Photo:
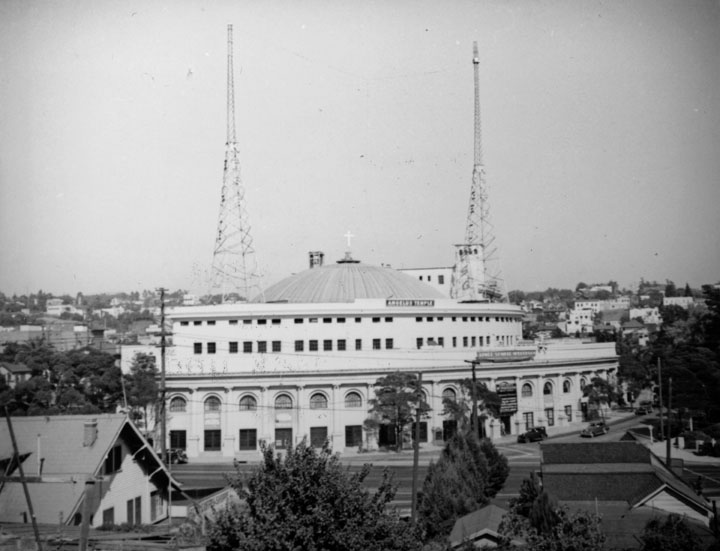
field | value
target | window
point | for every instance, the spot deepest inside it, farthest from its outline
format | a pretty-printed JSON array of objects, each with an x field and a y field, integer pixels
[
  {"x": 388, "y": 344},
  {"x": 327, "y": 320},
  {"x": 247, "y": 347},
  {"x": 318, "y": 436},
  {"x": 419, "y": 342},
  {"x": 178, "y": 439},
  {"x": 113, "y": 461},
  {"x": 262, "y": 347},
  {"x": 353, "y": 435},
  {"x": 197, "y": 322},
  {"x": 247, "y": 403},
  {"x": 233, "y": 322},
  {"x": 472, "y": 341},
  {"x": 340, "y": 320},
  {"x": 233, "y": 347},
  {"x": 212, "y": 404},
  {"x": 526, "y": 390},
  {"x": 454, "y": 341},
  {"x": 283, "y": 438},
  {"x": 464, "y": 318},
  {"x": 313, "y": 320},
  {"x": 299, "y": 346},
  {"x": 528, "y": 420},
  {"x": 423, "y": 431},
  {"x": 211, "y": 348},
  {"x": 276, "y": 346},
  {"x": 262, "y": 322},
  {"x": 276, "y": 321},
  {"x": 582, "y": 383},
  {"x": 183, "y": 323},
  {"x": 210, "y": 322},
  {"x": 298, "y": 320},
  {"x": 429, "y": 318},
  {"x": 197, "y": 347},
  {"x": 376, "y": 344},
  {"x": 441, "y": 280},
  {"x": 441, "y": 341},
  {"x": 313, "y": 346},
  {"x": 465, "y": 342},
  {"x": 248, "y": 439},
  {"x": 341, "y": 344},
  {"x": 358, "y": 320},
  {"x": 283, "y": 402},
  {"x": 358, "y": 344},
  {"x": 568, "y": 413},
  {"x": 418, "y": 319},
  {"x": 134, "y": 511},
  {"x": 550, "y": 415},
  {"x": 429, "y": 278},
  {"x": 449, "y": 394},
  {"x": 376, "y": 320},
  {"x": 388, "y": 319},
  {"x": 353, "y": 400},
  {"x": 327, "y": 344},
  {"x": 318, "y": 401},
  {"x": 247, "y": 322},
  {"x": 548, "y": 389},
  {"x": 178, "y": 405},
  {"x": 109, "y": 516},
  {"x": 212, "y": 440}
]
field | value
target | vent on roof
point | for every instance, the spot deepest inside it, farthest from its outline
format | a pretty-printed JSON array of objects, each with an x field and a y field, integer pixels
[
  {"x": 316, "y": 258},
  {"x": 90, "y": 433}
]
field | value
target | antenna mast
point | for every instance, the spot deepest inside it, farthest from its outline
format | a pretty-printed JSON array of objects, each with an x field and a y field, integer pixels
[
  {"x": 233, "y": 274},
  {"x": 473, "y": 276}
]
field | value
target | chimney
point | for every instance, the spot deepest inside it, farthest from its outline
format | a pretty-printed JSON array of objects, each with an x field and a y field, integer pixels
[
  {"x": 316, "y": 258},
  {"x": 90, "y": 433}
]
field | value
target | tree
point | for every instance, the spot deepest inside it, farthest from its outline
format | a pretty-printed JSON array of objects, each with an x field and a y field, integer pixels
[
  {"x": 600, "y": 392},
  {"x": 459, "y": 409},
  {"x": 396, "y": 402},
  {"x": 670, "y": 289},
  {"x": 308, "y": 501},
  {"x": 455, "y": 485},
  {"x": 672, "y": 534},
  {"x": 141, "y": 385}
]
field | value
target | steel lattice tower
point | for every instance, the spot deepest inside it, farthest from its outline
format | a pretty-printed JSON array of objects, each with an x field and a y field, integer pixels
[
  {"x": 476, "y": 276},
  {"x": 234, "y": 269}
]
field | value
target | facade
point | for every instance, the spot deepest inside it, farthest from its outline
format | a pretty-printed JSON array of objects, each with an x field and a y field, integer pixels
[
  {"x": 302, "y": 362},
  {"x": 439, "y": 278},
  {"x": 13, "y": 373},
  {"x": 648, "y": 315},
  {"x": 618, "y": 303},
  {"x": 683, "y": 302},
  {"x": 580, "y": 321},
  {"x": 69, "y": 458}
]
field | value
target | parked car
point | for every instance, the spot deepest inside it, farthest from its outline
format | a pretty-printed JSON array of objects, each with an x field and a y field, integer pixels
[
  {"x": 177, "y": 455},
  {"x": 532, "y": 435},
  {"x": 642, "y": 410},
  {"x": 594, "y": 429}
]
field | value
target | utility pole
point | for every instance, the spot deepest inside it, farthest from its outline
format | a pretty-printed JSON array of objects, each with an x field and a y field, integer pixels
[
  {"x": 474, "y": 418},
  {"x": 22, "y": 479},
  {"x": 660, "y": 399},
  {"x": 163, "y": 420},
  {"x": 416, "y": 447},
  {"x": 668, "y": 440}
]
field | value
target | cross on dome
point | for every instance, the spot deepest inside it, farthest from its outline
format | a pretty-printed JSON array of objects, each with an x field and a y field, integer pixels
[{"x": 348, "y": 236}]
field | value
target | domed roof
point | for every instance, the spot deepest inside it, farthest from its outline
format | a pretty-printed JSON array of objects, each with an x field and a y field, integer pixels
[{"x": 345, "y": 282}]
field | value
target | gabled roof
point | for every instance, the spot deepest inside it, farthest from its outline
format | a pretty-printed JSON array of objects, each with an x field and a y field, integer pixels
[
  {"x": 594, "y": 452},
  {"x": 478, "y": 524},
  {"x": 15, "y": 368}
]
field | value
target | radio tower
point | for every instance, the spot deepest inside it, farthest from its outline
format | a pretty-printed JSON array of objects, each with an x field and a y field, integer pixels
[
  {"x": 233, "y": 274},
  {"x": 475, "y": 274}
]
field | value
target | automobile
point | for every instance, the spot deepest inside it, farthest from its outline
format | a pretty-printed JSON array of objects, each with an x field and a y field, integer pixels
[
  {"x": 642, "y": 410},
  {"x": 177, "y": 455},
  {"x": 595, "y": 429},
  {"x": 532, "y": 435}
]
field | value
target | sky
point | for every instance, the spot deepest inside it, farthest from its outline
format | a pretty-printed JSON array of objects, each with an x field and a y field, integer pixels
[{"x": 600, "y": 133}]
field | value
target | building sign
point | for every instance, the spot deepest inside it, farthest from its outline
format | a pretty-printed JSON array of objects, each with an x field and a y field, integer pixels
[
  {"x": 509, "y": 355},
  {"x": 508, "y": 397},
  {"x": 409, "y": 302}
]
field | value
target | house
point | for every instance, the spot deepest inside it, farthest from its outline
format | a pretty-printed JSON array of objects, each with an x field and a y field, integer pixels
[
  {"x": 13, "y": 373},
  {"x": 682, "y": 302},
  {"x": 622, "y": 481},
  {"x": 82, "y": 464},
  {"x": 480, "y": 528}
]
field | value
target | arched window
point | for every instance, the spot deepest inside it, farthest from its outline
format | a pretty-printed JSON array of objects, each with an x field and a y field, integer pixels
[
  {"x": 318, "y": 401},
  {"x": 178, "y": 405},
  {"x": 212, "y": 404},
  {"x": 566, "y": 386},
  {"x": 449, "y": 394},
  {"x": 353, "y": 400},
  {"x": 527, "y": 390},
  {"x": 283, "y": 402},
  {"x": 548, "y": 389},
  {"x": 582, "y": 383},
  {"x": 248, "y": 403}
]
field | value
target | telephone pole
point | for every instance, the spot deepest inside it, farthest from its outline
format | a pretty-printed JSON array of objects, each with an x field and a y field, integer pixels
[
  {"x": 416, "y": 448},
  {"x": 163, "y": 416}
]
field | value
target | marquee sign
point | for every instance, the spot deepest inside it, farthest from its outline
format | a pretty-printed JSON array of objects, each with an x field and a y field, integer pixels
[
  {"x": 509, "y": 355},
  {"x": 409, "y": 302},
  {"x": 508, "y": 397}
]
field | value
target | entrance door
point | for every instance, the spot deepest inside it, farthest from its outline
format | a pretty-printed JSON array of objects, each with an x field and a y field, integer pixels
[
  {"x": 449, "y": 429},
  {"x": 283, "y": 438},
  {"x": 387, "y": 436}
]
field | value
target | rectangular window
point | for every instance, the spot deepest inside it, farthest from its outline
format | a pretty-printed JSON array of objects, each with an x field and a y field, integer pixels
[
  {"x": 184, "y": 323},
  {"x": 473, "y": 341},
  {"x": 528, "y": 420},
  {"x": 419, "y": 342},
  {"x": 341, "y": 344},
  {"x": 248, "y": 439},
  {"x": 247, "y": 347},
  {"x": 568, "y": 413},
  {"x": 441, "y": 280},
  {"x": 358, "y": 320},
  {"x": 113, "y": 461},
  {"x": 465, "y": 342},
  {"x": 283, "y": 438},
  {"x": 441, "y": 341},
  {"x": 233, "y": 322},
  {"x": 211, "y": 348},
  {"x": 247, "y": 322},
  {"x": 109, "y": 516},
  {"x": 550, "y": 415},
  {"x": 134, "y": 511},
  {"x": 454, "y": 341},
  {"x": 197, "y": 347},
  {"x": 388, "y": 319},
  {"x": 358, "y": 344},
  {"x": 262, "y": 322},
  {"x": 340, "y": 320},
  {"x": 318, "y": 436},
  {"x": 388, "y": 344},
  {"x": 429, "y": 318},
  {"x": 156, "y": 506},
  {"x": 376, "y": 344},
  {"x": 262, "y": 347},
  {"x": 210, "y": 322},
  {"x": 429, "y": 278},
  {"x": 298, "y": 320},
  {"x": 327, "y": 344},
  {"x": 212, "y": 440},
  {"x": 197, "y": 322},
  {"x": 233, "y": 347},
  {"x": 276, "y": 321},
  {"x": 313, "y": 346},
  {"x": 313, "y": 320},
  {"x": 423, "y": 431},
  {"x": 353, "y": 436},
  {"x": 299, "y": 346},
  {"x": 472, "y": 318},
  {"x": 418, "y": 319},
  {"x": 276, "y": 346},
  {"x": 376, "y": 320},
  {"x": 327, "y": 320},
  {"x": 178, "y": 439}
]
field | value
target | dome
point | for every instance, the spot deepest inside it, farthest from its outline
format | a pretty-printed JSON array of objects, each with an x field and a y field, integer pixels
[{"x": 345, "y": 282}]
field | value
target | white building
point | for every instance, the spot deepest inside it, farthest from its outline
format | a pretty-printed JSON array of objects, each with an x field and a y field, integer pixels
[
  {"x": 648, "y": 315},
  {"x": 619, "y": 303},
  {"x": 580, "y": 321},
  {"x": 683, "y": 302},
  {"x": 303, "y": 362}
]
